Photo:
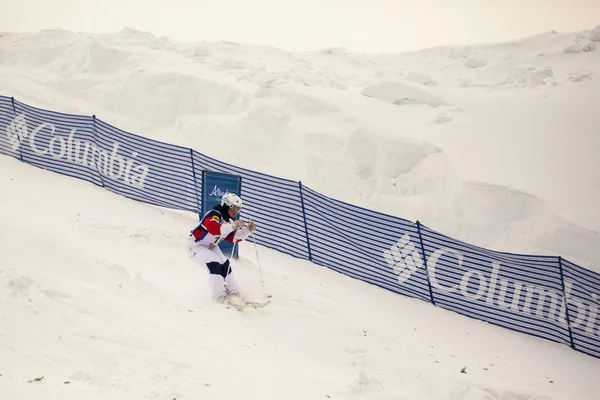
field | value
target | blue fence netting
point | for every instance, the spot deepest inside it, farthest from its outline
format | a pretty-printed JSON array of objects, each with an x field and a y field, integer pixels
[
  {"x": 146, "y": 170},
  {"x": 10, "y": 126},
  {"x": 353, "y": 240},
  {"x": 514, "y": 291},
  {"x": 58, "y": 142},
  {"x": 582, "y": 291},
  {"x": 544, "y": 296}
]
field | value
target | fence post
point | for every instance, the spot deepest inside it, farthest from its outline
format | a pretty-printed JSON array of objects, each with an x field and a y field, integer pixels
[
  {"x": 12, "y": 100},
  {"x": 566, "y": 303},
  {"x": 425, "y": 262},
  {"x": 305, "y": 224},
  {"x": 94, "y": 133},
  {"x": 195, "y": 182}
]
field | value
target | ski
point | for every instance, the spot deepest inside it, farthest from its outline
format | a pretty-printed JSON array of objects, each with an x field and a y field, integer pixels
[
  {"x": 256, "y": 304},
  {"x": 245, "y": 304}
]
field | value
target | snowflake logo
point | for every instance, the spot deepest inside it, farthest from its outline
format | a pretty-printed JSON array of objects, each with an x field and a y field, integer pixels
[
  {"x": 404, "y": 258},
  {"x": 17, "y": 131}
]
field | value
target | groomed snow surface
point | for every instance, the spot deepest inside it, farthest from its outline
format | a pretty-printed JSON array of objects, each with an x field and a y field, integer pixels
[
  {"x": 491, "y": 144},
  {"x": 97, "y": 291}
]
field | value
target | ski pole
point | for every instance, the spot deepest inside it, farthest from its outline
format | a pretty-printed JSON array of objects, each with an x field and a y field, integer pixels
[
  {"x": 262, "y": 282},
  {"x": 229, "y": 266}
]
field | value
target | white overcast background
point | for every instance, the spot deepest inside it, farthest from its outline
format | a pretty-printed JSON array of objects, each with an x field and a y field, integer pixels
[{"x": 368, "y": 26}]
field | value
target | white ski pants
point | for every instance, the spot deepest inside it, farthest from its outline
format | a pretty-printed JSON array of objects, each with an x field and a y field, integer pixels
[{"x": 220, "y": 273}]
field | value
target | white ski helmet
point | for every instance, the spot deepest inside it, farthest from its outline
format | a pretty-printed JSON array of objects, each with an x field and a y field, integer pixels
[{"x": 232, "y": 201}]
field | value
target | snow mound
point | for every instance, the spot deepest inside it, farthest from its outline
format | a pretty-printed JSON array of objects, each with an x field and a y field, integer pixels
[
  {"x": 53, "y": 35},
  {"x": 584, "y": 41},
  {"x": 300, "y": 103},
  {"x": 199, "y": 51},
  {"x": 530, "y": 77},
  {"x": 468, "y": 82},
  {"x": 580, "y": 75},
  {"x": 335, "y": 51},
  {"x": 432, "y": 173},
  {"x": 580, "y": 46},
  {"x": 134, "y": 36},
  {"x": 442, "y": 119},
  {"x": 458, "y": 52},
  {"x": 595, "y": 34},
  {"x": 92, "y": 57},
  {"x": 162, "y": 97},
  {"x": 401, "y": 93},
  {"x": 476, "y": 61},
  {"x": 498, "y": 203},
  {"x": 421, "y": 77},
  {"x": 42, "y": 48}
]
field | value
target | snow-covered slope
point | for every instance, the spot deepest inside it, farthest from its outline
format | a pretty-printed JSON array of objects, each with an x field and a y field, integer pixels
[
  {"x": 492, "y": 144},
  {"x": 99, "y": 299}
]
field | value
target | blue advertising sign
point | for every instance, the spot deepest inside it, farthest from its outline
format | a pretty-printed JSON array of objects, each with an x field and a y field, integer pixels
[{"x": 214, "y": 186}]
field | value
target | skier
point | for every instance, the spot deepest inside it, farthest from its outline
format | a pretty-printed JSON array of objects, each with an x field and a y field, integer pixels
[{"x": 203, "y": 244}]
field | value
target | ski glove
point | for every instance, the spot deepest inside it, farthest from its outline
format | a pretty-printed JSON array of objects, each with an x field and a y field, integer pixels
[
  {"x": 238, "y": 224},
  {"x": 251, "y": 226}
]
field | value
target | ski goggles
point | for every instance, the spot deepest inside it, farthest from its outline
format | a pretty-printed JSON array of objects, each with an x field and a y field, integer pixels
[{"x": 236, "y": 209}]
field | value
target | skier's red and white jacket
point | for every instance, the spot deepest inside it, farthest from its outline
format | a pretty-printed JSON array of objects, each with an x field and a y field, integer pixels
[{"x": 213, "y": 229}]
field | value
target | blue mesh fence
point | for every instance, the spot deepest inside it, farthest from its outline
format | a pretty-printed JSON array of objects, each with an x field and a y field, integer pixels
[
  {"x": 57, "y": 142},
  {"x": 363, "y": 244},
  {"x": 582, "y": 291},
  {"x": 543, "y": 296},
  {"x": 9, "y": 128},
  {"x": 519, "y": 292},
  {"x": 146, "y": 170}
]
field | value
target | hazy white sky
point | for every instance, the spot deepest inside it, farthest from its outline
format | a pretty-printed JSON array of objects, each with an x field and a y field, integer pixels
[{"x": 359, "y": 25}]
